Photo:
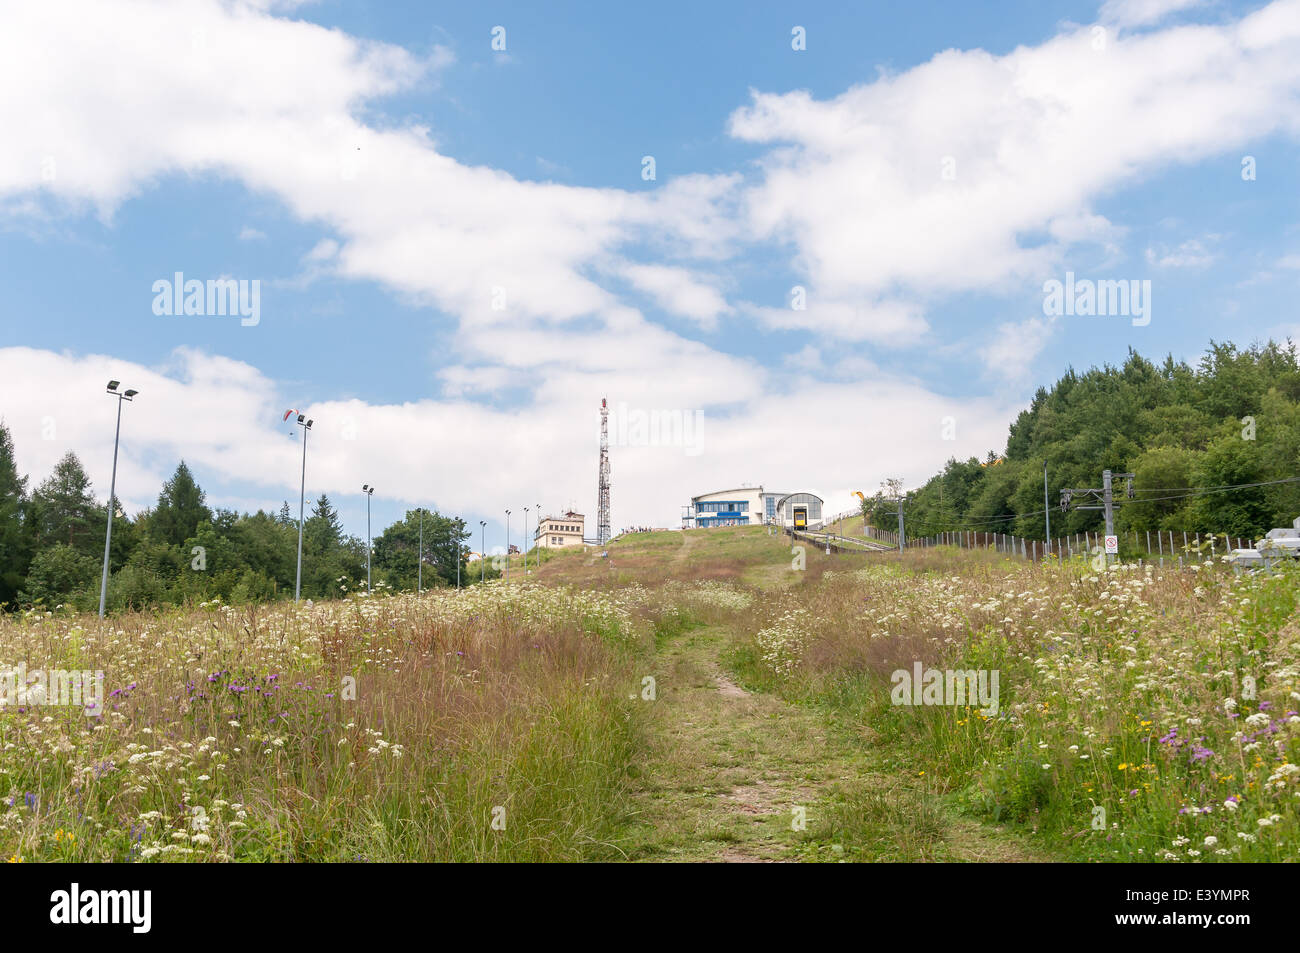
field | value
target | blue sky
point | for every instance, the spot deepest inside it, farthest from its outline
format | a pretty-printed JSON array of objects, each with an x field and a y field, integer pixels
[{"x": 383, "y": 172}]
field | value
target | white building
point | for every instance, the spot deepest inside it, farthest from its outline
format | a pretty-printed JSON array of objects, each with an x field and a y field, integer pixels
[
  {"x": 751, "y": 506},
  {"x": 556, "y": 532}
]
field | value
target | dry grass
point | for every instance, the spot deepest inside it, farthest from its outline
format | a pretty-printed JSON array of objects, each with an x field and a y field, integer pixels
[{"x": 235, "y": 734}]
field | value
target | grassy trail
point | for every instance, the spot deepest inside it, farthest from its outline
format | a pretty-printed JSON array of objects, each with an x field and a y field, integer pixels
[
  {"x": 727, "y": 768},
  {"x": 727, "y": 760}
]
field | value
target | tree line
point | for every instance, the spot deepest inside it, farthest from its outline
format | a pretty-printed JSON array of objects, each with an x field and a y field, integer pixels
[
  {"x": 1187, "y": 432},
  {"x": 181, "y": 550}
]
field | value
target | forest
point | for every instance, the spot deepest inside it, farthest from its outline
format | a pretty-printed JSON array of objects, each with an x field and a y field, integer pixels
[
  {"x": 183, "y": 551},
  {"x": 1213, "y": 448}
]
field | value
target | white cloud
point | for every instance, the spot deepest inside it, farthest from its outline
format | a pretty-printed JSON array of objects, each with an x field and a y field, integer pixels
[
  {"x": 479, "y": 450},
  {"x": 1189, "y": 254},
  {"x": 1131, "y": 13},
  {"x": 679, "y": 291},
  {"x": 1014, "y": 346},
  {"x": 854, "y": 184},
  {"x": 250, "y": 234},
  {"x": 927, "y": 182}
]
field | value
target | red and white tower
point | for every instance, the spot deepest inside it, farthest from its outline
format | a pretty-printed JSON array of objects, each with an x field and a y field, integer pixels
[{"x": 602, "y": 491}]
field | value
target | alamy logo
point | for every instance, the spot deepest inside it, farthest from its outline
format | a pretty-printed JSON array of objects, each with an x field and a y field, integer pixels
[
  {"x": 84, "y": 689},
  {"x": 1105, "y": 298},
  {"x": 945, "y": 687},
  {"x": 216, "y": 296},
  {"x": 103, "y": 906},
  {"x": 659, "y": 428}
]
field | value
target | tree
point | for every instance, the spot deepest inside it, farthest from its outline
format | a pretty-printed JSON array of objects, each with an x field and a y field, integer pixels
[
  {"x": 56, "y": 573},
  {"x": 181, "y": 509},
  {"x": 15, "y": 545},
  {"x": 323, "y": 530},
  {"x": 397, "y": 548},
  {"x": 65, "y": 509}
]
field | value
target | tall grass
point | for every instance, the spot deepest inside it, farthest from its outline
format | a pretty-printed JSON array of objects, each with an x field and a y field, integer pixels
[
  {"x": 485, "y": 724},
  {"x": 1128, "y": 728}
]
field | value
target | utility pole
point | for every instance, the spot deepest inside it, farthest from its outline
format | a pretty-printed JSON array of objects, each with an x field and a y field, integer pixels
[
  {"x": 1047, "y": 512},
  {"x": 482, "y": 556},
  {"x": 900, "y": 522},
  {"x": 1104, "y": 497},
  {"x": 1108, "y": 502},
  {"x": 419, "y": 571}
]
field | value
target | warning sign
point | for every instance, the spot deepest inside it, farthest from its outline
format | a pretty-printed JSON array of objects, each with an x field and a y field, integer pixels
[{"x": 1112, "y": 545}]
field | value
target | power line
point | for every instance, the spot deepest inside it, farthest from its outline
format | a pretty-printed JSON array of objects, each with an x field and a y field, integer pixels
[{"x": 974, "y": 525}]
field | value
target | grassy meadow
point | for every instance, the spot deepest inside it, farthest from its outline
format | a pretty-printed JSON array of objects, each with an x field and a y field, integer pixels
[{"x": 707, "y": 695}]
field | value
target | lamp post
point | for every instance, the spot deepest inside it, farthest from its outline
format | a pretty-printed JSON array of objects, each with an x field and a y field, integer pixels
[
  {"x": 482, "y": 549},
  {"x": 112, "y": 487},
  {"x": 305, "y": 424},
  {"x": 460, "y": 552},
  {"x": 538, "y": 507},
  {"x": 369, "y": 491},
  {"x": 419, "y": 562},
  {"x": 526, "y": 540},
  {"x": 507, "y": 545}
]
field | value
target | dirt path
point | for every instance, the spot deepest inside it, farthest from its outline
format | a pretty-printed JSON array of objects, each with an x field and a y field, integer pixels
[{"x": 729, "y": 772}]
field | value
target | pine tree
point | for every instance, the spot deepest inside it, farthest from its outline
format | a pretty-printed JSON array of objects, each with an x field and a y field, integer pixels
[
  {"x": 181, "y": 508},
  {"x": 65, "y": 509},
  {"x": 285, "y": 517},
  {"x": 323, "y": 529}
]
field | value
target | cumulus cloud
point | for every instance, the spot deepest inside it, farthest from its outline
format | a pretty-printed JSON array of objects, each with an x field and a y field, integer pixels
[
  {"x": 1132, "y": 13},
  {"x": 465, "y": 453},
  {"x": 1011, "y": 352},
  {"x": 972, "y": 172},
  {"x": 975, "y": 172},
  {"x": 679, "y": 291}
]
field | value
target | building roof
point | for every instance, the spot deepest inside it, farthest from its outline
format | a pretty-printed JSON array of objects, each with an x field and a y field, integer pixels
[{"x": 738, "y": 489}]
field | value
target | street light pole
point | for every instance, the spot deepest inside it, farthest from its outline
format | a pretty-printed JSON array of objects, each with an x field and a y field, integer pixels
[
  {"x": 305, "y": 424},
  {"x": 369, "y": 491},
  {"x": 482, "y": 549},
  {"x": 525, "y": 540},
  {"x": 507, "y": 545},
  {"x": 112, "y": 488},
  {"x": 460, "y": 553},
  {"x": 419, "y": 571}
]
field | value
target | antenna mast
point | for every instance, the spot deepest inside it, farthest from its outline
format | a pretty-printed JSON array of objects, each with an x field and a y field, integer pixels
[{"x": 602, "y": 492}]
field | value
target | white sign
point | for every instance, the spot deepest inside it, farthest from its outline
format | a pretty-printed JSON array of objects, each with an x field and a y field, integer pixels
[{"x": 1112, "y": 545}]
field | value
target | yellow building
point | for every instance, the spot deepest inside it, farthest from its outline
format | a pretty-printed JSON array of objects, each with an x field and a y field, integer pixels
[{"x": 555, "y": 532}]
